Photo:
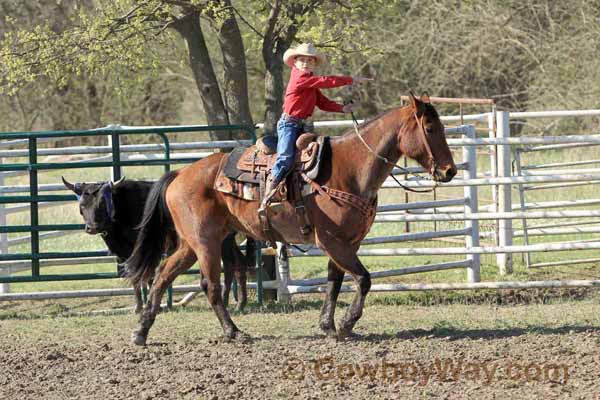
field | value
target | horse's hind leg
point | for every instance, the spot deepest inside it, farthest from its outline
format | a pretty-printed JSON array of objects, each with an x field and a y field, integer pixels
[
  {"x": 176, "y": 263},
  {"x": 335, "y": 277},
  {"x": 139, "y": 303}
]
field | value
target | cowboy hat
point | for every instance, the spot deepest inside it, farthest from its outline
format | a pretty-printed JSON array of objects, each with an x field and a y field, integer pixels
[{"x": 304, "y": 49}]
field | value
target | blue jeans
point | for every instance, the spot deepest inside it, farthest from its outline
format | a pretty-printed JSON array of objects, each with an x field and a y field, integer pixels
[{"x": 287, "y": 133}]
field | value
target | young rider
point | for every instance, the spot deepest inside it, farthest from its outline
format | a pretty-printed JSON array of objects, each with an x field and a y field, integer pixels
[{"x": 301, "y": 96}]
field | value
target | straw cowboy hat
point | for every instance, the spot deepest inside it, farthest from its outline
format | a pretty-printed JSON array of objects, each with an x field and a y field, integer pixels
[{"x": 304, "y": 49}]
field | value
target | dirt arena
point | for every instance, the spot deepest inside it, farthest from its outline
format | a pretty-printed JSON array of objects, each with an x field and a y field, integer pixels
[{"x": 452, "y": 351}]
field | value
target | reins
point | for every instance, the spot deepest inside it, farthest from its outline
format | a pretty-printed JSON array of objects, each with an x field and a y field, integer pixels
[{"x": 406, "y": 171}]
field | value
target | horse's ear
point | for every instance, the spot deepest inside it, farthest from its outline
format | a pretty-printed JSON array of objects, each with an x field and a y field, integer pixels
[
  {"x": 425, "y": 98},
  {"x": 413, "y": 100}
]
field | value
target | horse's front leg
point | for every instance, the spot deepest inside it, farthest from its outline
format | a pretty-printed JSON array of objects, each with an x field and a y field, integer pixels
[
  {"x": 354, "y": 312},
  {"x": 176, "y": 263},
  {"x": 344, "y": 256},
  {"x": 335, "y": 276}
]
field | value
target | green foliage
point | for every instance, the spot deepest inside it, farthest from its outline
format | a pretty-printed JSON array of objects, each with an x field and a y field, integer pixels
[
  {"x": 526, "y": 54},
  {"x": 87, "y": 70}
]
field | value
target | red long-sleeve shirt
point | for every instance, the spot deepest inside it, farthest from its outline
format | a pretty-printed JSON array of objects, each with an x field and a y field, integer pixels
[{"x": 303, "y": 94}]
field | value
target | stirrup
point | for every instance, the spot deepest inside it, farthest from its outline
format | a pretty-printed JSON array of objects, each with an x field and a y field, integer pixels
[
  {"x": 276, "y": 206},
  {"x": 271, "y": 205}
]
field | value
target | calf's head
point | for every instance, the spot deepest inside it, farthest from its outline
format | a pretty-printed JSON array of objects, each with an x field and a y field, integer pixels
[{"x": 96, "y": 204}]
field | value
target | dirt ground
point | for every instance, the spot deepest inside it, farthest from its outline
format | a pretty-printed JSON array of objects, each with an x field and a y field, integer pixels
[{"x": 453, "y": 351}]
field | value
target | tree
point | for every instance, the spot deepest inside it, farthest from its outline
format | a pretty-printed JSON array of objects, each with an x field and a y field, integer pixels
[
  {"x": 513, "y": 51},
  {"x": 121, "y": 40},
  {"x": 56, "y": 97}
]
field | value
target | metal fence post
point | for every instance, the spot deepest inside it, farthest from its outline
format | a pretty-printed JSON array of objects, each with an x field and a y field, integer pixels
[
  {"x": 471, "y": 206},
  {"x": 259, "y": 277},
  {"x": 283, "y": 274},
  {"x": 4, "y": 287},
  {"x": 493, "y": 166},
  {"x": 114, "y": 141},
  {"x": 34, "y": 209},
  {"x": 505, "y": 233},
  {"x": 527, "y": 255}
]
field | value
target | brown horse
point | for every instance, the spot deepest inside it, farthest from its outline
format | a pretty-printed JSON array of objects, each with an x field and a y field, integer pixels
[{"x": 341, "y": 210}]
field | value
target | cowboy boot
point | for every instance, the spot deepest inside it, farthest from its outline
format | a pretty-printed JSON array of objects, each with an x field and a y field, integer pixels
[{"x": 270, "y": 190}]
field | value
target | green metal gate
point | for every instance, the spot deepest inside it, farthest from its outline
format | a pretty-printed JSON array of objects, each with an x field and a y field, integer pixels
[{"x": 34, "y": 198}]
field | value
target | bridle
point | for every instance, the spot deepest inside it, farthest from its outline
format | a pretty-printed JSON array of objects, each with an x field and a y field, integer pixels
[{"x": 430, "y": 157}]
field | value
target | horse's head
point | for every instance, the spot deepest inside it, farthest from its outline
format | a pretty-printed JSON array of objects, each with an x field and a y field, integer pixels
[
  {"x": 96, "y": 204},
  {"x": 423, "y": 139}
]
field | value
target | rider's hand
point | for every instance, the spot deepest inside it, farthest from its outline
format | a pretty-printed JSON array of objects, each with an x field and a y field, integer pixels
[
  {"x": 349, "y": 107},
  {"x": 361, "y": 79}
]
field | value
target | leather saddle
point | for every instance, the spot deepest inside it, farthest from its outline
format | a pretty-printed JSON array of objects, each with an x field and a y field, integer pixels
[
  {"x": 248, "y": 164},
  {"x": 243, "y": 173}
]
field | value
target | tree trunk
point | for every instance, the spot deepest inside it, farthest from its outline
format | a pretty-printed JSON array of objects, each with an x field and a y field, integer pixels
[
  {"x": 277, "y": 40},
  {"x": 368, "y": 104},
  {"x": 272, "y": 51},
  {"x": 94, "y": 104},
  {"x": 274, "y": 89},
  {"x": 235, "y": 80},
  {"x": 204, "y": 74}
]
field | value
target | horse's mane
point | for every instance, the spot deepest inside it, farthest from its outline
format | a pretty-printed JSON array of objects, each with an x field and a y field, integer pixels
[{"x": 351, "y": 132}]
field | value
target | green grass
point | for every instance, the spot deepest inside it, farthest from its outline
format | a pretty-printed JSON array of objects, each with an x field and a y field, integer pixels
[
  {"x": 384, "y": 315},
  {"x": 311, "y": 267}
]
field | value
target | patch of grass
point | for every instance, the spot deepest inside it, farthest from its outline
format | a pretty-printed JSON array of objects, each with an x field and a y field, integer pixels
[{"x": 311, "y": 267}]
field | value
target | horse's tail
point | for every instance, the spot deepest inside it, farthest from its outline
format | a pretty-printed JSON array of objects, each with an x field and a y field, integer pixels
[{"x": 154, "y": 230}]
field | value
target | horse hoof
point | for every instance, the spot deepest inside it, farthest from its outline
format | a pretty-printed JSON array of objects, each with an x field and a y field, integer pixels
[
  {"x": 228, "y": 336},
  {"x": 329, "y": 331},
  {"x": 138, "y": 339},
  {"x": 344, "y": 334},
  {"x": 242, "y": 337},
  {"x": 240, "y": 308},
  {"x": 236, "y": 336},
  {"x": 331, "y": 334}
]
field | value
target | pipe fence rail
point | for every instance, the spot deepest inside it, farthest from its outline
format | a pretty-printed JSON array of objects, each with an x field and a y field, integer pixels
[
  {"x": 33, "y": 260},
  {"x": 501, "y": 148}
]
